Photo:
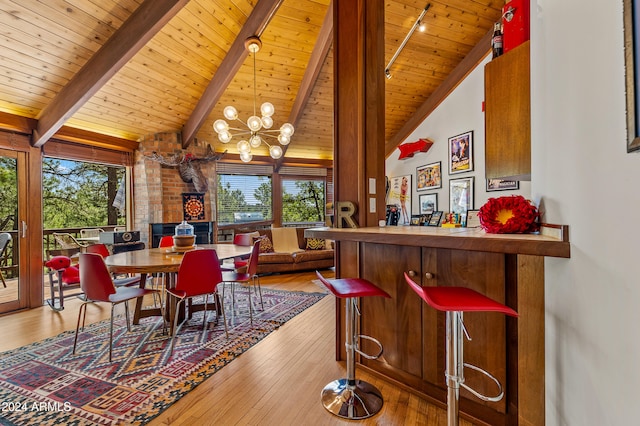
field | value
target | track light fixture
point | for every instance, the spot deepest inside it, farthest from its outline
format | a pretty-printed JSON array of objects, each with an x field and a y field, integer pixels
[{"x": 417, "y": 25}]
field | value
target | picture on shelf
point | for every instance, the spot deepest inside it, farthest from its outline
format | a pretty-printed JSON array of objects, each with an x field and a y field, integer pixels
[
  {"x": 502, "y": 185},
  {"x": 473, "y": 220},
  {"x": 461, "y": 195},
  {"x": 429, "y": 176},
  {"x": 428, "y": 203},
  {"x": 461, "y": 153},
  {"x": 399, "y": 195},
  {"x": 435, "y": 219}
]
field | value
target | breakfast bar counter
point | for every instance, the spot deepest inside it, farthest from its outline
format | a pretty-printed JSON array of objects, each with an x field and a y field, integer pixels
[{"x": 508, "y": 268}]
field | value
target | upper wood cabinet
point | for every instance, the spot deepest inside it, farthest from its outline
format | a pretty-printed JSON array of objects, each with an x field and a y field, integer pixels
[{"x": 507, "y": 116}]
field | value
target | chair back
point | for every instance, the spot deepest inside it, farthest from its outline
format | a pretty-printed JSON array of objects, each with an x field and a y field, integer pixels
[
  {"x": 243, "y": 239},
  {"x": 66, "y": 240},
  {"x": 166, "y": 241},
  {"x": 100, "y": 249},
  {"x": 252, "y": 265},
  {"x": 199, "y": 272},
  {"x": 5, "y": 237},
  {"x": 95, "y": 279}
]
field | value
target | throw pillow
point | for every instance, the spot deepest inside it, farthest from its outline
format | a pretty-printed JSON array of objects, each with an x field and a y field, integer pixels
[
  {"x": 265, "y": 245},
  {"x": 316, "y": 244}
]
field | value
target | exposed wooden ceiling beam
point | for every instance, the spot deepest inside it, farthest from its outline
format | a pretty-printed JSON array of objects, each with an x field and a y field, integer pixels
[
  {"x": 135, "y": 32},
  {"x": 458, "y": 74},
  {"x": 316, "y": 61},
  {"x": 255, "y": 25},
  {"x": 70, "y": 134}
]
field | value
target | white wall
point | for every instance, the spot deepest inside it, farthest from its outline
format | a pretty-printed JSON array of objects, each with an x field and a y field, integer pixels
[
  {"x": 583, "y": 177},
  {"x": 459, "y": 113},
  {"x": 587, "y": 180}
]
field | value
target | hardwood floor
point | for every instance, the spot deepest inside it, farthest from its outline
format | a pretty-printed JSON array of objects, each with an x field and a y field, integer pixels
[{"x": 276, "y": 382}]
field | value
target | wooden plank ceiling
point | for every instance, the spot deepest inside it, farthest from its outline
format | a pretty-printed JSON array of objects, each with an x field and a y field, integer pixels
[{"x": 178, "y": 72}]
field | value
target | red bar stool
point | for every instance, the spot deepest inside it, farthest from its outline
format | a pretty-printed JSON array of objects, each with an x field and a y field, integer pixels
[
  {"x": 454, "y": 301},
  {"x": 347, "y": 397}
]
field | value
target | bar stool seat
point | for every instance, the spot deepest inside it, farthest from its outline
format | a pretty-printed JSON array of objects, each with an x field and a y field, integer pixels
[
  {"x": 454, "y": 301},
  {"x": 347, "y": 397}
]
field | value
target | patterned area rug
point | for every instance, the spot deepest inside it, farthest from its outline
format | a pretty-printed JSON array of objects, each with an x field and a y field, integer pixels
[{"x": 45, "y": 384}]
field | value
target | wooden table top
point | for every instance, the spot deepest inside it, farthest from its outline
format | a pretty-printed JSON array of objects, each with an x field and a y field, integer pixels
[{"x": 154, "y": 260}]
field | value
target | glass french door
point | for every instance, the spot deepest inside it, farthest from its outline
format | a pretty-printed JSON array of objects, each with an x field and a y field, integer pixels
[{"x": 13, "y": 289}]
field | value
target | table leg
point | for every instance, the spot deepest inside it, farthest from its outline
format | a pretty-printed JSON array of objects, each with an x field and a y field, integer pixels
[{"x": 138, "y": 310}]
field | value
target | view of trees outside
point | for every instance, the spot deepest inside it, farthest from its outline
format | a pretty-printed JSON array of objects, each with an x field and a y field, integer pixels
[
  {"x": 8, "y": 194},
  {"x": 303, "y": 200},
  {"x": 79, "y": 194}
]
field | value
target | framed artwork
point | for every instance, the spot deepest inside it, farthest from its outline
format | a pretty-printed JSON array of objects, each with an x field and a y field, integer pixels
[
  {"x": 415, "y": 220},
  {"x": 435, "y": 219},
  {"x": 502, "y": 185},
  {"x": 400, "y": 195},
  {"x": 461, "y": 153},
  {"x": 193, "y": 205},
  {"x": 631, "y": 16},
  {"x": 429, "y": 176},
  {"x": 461, "y": 195},
  {"x": 428, "y": 203},
  {"x": 473, "y": 220}
]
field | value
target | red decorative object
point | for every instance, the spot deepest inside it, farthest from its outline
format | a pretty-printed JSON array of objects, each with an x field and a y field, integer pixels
[
  {"x": 515, "y": 26},
  {"x": 410, "y": 148},
  {"x": 509, "y": 215}
]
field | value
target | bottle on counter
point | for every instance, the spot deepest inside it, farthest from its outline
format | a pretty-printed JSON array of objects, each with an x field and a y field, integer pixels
[{"x": 496, "y": 40}]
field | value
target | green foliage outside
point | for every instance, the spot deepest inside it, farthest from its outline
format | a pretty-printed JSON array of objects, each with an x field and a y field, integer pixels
[
  {"x": 78, "y": 194},
  {"x": 304, "y": 204},
  {"x": 307, "y": 205},
  {"x": 8, "y": 194}
]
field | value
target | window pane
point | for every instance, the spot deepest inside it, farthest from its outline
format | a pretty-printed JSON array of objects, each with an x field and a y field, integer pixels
[
  {"x": 243, "y": 198},
  {"x": 77, "y": 194},
  {"x": 303, "y": 200}
]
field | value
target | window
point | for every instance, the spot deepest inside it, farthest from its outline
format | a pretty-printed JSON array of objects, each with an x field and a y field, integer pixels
[
  {"x": 77, "y": 194},
  {"x": 303, "y": 200},
  {"x": 243, "y": 198}
]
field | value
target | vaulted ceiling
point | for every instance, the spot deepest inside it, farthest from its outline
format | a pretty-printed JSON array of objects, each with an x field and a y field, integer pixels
[{"x": 129, "y": 68}]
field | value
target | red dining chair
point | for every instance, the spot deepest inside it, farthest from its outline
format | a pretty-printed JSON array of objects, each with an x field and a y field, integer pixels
[
  {"x": 98, "y": 286},
  {"x": 248, "y": 277},
  {"x": 103, "y": 251},
  {"x": 245, "y": 240},
  {"x": 199, "y": 275},
  {"x": 166, "y": 241}
]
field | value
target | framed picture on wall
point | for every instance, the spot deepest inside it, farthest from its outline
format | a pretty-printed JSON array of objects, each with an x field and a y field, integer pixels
[
  {"x": 502, "y": 185},
  {"x": 461, "y": 195},
  {"x": 428, "y": 203},
  {"x": 473, "y": 220},
  {"x": 461, "y": 153},
  {"x": 400, "y": 196},
  {"x": 429, "y": 176}
]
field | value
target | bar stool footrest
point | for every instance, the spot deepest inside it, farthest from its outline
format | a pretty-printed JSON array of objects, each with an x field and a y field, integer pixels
[
  {"x": 478, "y": 394},
  {"x": 349, "y": 401},
  {"x": 371, "y": 339}
]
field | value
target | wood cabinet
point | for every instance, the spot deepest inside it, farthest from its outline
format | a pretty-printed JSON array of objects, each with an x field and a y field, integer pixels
[
  {"x": 508, "y": 115},
  {"x": 413, "y": 334}
]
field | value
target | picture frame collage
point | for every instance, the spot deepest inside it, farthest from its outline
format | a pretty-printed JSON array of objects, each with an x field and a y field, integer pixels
[{"x": 429, "y": 177}]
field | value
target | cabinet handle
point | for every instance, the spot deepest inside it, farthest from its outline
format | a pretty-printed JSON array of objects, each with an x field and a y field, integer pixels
[
  {"x": 428, "y": 275},
  {"x": 411, "y": 273}
]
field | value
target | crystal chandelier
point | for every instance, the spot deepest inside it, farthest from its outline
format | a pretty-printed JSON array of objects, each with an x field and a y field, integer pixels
[{"x": 257, "y": 128}]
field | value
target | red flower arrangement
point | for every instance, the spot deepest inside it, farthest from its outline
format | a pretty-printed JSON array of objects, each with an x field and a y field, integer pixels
[{"x": 509, "y": 215}]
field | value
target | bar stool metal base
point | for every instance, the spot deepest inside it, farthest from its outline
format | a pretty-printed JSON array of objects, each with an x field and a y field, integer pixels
[{"x": 351, "y": 402}]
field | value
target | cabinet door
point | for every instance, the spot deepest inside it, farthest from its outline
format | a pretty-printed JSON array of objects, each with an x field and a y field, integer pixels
[
  {"x": 508, "y": 116},
  {"x": 395, "y": 322}
]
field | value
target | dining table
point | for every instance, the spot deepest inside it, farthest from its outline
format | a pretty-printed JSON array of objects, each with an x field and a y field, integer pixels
[{"x": 162, "y": 260}]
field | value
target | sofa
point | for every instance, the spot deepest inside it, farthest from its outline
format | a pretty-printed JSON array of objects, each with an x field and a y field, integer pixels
[{"x": 287, "y": 250}]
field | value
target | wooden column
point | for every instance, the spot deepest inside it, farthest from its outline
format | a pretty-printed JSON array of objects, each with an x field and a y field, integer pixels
[{"x": 359, "y": 106}]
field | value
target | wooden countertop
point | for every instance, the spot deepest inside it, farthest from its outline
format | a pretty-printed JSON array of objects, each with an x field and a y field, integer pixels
[{"x": 474, "y": 239}]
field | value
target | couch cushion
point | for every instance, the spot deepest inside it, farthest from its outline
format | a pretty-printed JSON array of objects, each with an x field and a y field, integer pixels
[
  {"x": 275, "y": 258},
  {"x": 316, "y": 244},
  {"x": 265, "y": 245},
  {"x": 312, "y": 255},
  {"x": 285, "y": 240}
]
